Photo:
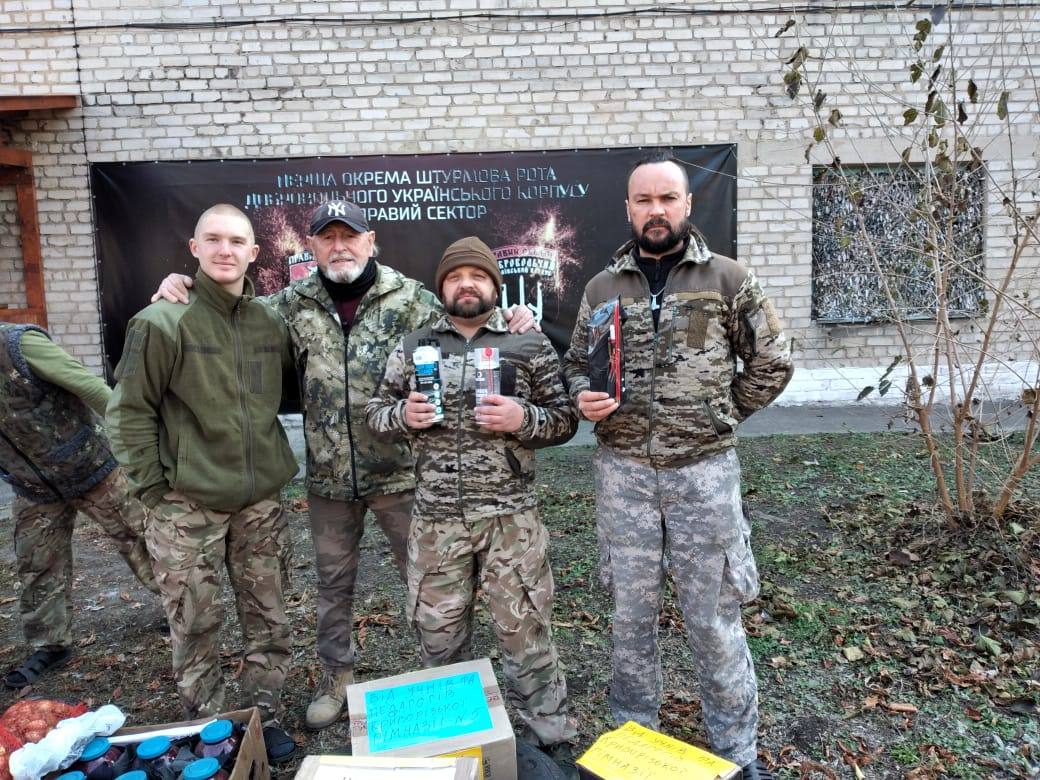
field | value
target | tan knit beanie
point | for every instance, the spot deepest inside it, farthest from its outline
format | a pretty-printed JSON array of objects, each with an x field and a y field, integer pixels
[{"x": 468, "y": 251}]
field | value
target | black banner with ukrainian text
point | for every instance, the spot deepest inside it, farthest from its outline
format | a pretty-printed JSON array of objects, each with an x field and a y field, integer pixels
[{"x": 553, "y": 218}]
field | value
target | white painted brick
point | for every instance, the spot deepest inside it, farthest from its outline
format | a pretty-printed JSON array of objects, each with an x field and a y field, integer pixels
[{"x": 439, "y": 86}]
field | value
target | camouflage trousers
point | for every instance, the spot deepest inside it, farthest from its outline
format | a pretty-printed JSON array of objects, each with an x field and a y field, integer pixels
[
  {"x": 43, "y": 548},
  {"x": 337, "y": 527},
  {"x": 693, "y": 515},
  {"x": 507, "y": 556},
  {"x": 190, "y": 545}
]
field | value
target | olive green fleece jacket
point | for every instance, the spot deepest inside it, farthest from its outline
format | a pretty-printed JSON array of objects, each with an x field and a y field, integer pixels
[{"x": 196, "y": 404}]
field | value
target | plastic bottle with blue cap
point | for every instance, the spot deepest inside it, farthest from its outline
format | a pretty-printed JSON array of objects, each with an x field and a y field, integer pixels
[
  {"x": 98, "y": 759},
  {"x": 155, "y": 756},
  {"x": 204, "y": 769},
  {"x": 218, "y": 740}
]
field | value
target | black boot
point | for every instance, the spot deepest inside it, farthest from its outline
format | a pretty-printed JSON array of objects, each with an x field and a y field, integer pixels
[{"x": 756, "y": 770}]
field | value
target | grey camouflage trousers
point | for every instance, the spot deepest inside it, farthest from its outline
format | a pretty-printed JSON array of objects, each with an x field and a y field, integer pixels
[
  {"x": 336, "y": 527},
  {"x": 508, "y": 557},
  {"x": 43, "y": 549},
  {"x": 191, "y": 545},
  {"x": 693, "y": 515}
]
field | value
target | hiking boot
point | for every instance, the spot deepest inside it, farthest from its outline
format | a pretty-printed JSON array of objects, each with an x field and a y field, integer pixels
[
  {"x": 562, "y": 754},
  {"x": 756, "y": 770},
  {"x": 331, "y": 699},
  {"x": 279, "y": 745}
]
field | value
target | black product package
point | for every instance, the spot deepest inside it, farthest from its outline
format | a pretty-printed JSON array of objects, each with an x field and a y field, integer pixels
[{"x": 606, "y": 352}]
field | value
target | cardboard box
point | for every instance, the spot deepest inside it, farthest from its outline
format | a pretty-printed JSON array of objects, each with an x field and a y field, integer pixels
[
  {"x": 633, "y": 752},
  {"x": 378, "y": 768},
  {"x": 251, "y": 761},
  {"x": 454, "y": 710}
]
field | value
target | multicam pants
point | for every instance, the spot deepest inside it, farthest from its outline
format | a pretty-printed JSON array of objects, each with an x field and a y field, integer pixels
[
  {"x": 508, "y": 557},
  {"x": 692, "y": 513},
  {"x": 336, "y": 527},
  {"x": 190, "y": 545},
  {"x": 43, "y": 548}
]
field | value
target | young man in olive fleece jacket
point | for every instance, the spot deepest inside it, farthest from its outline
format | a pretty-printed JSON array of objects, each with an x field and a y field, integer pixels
[
  {"x": 194, "y": 419},
  {"x": 57, "y": 459}
]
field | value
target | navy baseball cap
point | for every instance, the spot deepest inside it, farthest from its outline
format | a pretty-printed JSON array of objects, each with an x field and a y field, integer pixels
[{"x": 350, "y": 214}]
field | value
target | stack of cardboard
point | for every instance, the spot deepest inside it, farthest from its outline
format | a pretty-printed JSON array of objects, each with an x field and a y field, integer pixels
[{"x": 454, "y": 710}]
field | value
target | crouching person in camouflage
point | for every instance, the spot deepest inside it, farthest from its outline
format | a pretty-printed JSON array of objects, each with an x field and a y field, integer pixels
[
  {"x": 194, "y": 419},
  {"x": 475, "y": 519},
  {"x": 55, "y": 456}
]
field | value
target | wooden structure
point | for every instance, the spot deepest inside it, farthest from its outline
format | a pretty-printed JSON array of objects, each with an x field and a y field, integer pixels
[{"x": 16, "y": 170}]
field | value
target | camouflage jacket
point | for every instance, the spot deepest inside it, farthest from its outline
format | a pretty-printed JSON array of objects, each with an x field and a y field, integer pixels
[
  {"x": 463, "y": 471},
  {"x": 685, "y": 394},
  {"x": 52, "y": 445},
  {"x": 196, "y": 404},
  {"x": 338, "y": 375}
]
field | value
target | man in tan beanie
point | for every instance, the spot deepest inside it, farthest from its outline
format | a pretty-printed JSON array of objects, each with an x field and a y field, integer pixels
[{"x": 475, "y": 518}]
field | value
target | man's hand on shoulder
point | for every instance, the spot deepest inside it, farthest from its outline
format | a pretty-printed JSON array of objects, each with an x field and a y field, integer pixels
[
  {"x": 520, "y": 319},
  {"x": 174, "y": 288},
  {"x": 595, "y": 406}
]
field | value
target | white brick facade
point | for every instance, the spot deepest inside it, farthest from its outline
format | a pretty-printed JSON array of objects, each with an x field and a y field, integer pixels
[{"x": 403, "y": 77}]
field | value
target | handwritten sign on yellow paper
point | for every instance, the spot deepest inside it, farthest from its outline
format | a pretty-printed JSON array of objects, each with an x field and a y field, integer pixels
[{"x": 633, "y": 752}]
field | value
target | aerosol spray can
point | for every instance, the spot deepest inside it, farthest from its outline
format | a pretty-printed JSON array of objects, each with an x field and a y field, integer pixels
[
  {"x": 488, "y": 373},
  {"x": 427, "y": 361}
]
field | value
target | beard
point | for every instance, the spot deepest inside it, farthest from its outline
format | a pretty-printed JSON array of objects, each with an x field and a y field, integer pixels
[
  {"x": 344, "y": 275},
  {"x": 670, "y": 240},
  {"x": 470, "y": 308}
]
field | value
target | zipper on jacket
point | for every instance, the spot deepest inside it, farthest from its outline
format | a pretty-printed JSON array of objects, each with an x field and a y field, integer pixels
[
  {"x": 458, "y": 427},
  {"x": 653, "y": 362},
  {"x": 32, "y": 466},
  {"x": 346, "y": 405},
  {"x": 236, "y": 330},
  {"x": 332, "y": 312}
]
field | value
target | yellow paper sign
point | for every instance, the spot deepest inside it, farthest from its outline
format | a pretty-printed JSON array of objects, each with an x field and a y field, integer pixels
[
  {"x": 633, "y": 752},
  {"x": 473, "y": 752}
]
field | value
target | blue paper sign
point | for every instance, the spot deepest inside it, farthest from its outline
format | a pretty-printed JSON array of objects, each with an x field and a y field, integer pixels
[{"x": 424, "y": 711}]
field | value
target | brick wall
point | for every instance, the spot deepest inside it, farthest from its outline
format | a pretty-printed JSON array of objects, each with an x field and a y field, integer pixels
[{"x": 398, "y": 79}]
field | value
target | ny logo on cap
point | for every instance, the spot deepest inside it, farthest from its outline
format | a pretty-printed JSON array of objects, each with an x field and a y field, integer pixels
[{"x": 337, "y": 209}]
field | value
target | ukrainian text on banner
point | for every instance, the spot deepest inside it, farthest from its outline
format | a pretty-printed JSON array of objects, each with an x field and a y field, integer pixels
[{"x": 552, "y": 218}]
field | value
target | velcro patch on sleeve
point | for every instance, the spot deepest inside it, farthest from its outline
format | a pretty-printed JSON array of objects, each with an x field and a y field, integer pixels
[
  {"x": 772, "y": 318},
  {"x": 131, "y": 359}
]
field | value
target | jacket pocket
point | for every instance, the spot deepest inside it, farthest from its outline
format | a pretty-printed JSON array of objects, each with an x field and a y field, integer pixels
[
  {"x": 720, "y": 426},
  {"x": 520, "y": 466}
]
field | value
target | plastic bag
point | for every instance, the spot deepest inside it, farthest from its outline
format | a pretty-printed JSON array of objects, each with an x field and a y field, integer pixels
[{"x": 64, "y": 743}]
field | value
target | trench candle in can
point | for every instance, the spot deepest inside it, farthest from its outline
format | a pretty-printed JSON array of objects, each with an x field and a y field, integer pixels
[
  {"x": 488, "y": 377},
  {"x": 427, "y": 361}
]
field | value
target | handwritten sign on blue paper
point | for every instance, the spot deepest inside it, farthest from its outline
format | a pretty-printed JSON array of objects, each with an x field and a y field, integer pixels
[{"x": 424, "y": 711}]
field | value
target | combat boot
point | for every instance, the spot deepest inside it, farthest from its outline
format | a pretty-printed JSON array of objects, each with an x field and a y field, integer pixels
[{"x": 330, "y": 700}]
